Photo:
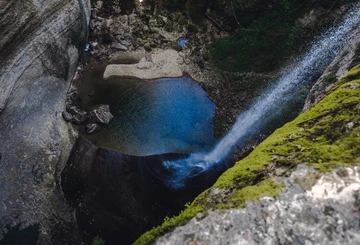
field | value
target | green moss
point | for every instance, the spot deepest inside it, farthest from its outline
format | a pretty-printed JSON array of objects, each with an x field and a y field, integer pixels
[
  {"x": 168, "y": 225},
  {"x": 239, "y": 197},
  {"x": 325, "y": 137}
]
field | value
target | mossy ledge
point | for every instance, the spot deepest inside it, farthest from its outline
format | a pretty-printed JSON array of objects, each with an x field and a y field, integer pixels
[{"x": 326, "y": 136}]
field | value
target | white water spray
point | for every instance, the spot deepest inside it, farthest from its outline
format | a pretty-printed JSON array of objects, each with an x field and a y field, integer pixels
[{"x": 301, "y": 73}]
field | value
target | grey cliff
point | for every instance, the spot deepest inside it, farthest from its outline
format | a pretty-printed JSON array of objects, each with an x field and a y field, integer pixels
[{"x": 39, "y": 49}]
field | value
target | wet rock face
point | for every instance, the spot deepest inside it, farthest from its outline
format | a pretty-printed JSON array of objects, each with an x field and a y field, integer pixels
[
  {"x": 39, "y": 49},
  {"x": 119, "y": 196}
]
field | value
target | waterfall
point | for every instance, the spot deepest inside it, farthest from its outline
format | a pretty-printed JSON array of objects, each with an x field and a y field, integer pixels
[{"x": 303, "y": 71}]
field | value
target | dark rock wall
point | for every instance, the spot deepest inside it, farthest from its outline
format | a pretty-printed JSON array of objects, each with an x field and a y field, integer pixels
[
  {"x": 118, "y": 196},
  {"x": 39, "y": 50}
]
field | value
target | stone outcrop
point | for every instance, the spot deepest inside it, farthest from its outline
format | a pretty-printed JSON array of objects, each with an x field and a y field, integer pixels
[
  {"x": 161, "y": 64},
  {"x": 39, "y": 50},
  {"x": 324, "y": 214}
]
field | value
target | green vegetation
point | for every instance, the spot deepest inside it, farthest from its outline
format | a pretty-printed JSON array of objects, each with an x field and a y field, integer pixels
[
  {"x": 196, "y": 9},
  {"x": 98, "y": 241},
  {"x": 329, "y": 79},
  {"x": 264, "y": 41},
  {"x": 262, "y": 45},
  {"x": 192, "y": 28},
  {"x": 326, "y": 136},
  {"x": 251, "y": 193}
]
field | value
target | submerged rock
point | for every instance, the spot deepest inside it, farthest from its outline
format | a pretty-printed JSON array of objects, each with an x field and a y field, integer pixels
[
  {"x": 101, "y": 114},
  {"x": 92, "y": 128}
]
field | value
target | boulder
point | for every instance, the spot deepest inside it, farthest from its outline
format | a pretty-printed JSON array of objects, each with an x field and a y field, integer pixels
[
  {"x": 101, "y": 114},
  {"x": 144, "y": 65},
  {"x": 119, "y": 46},
  {"x": 72, "y": 109},
  {"x": 107, "y": 38},
  {"x": 39, "y": 50},
  {"x": 147, "y": 47},
  {"x": 125, "y": 42},
  {"x": 165, "y": 63},
  {"x": 67, "y": 116},
  {"x": 176, "y": 46},
  {"x": 118, "y": 30},
  {"x": 99, "y": 4},
  {"x": 160, "y": 21},
  {"x": 128, "y": 57},
  {"x": 92, "y": 128},
  {"x": 80, "y": 117},
  {"x": 182, "y": 20},
  {"x": 169, "y": 26}
]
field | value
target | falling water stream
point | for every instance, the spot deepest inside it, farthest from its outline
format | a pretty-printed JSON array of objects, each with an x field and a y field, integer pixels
[{"x": 307, "y": 68}]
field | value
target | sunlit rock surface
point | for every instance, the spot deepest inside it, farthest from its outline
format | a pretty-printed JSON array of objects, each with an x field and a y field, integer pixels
[
  {"x": 160, "y": 64},
  {"x": 327, "y": 213}
]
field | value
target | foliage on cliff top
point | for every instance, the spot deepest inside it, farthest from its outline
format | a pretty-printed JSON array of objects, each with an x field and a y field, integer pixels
[
  {"x": 326, "y": 136},
  {"x": 263, "y": 42}
]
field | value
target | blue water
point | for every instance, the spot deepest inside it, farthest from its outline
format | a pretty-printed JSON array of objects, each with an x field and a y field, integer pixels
[{"x": 169, "y": 115}]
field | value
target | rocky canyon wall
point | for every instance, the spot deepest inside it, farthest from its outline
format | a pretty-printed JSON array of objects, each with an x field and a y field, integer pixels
[{"x": 39, "y": 49}]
